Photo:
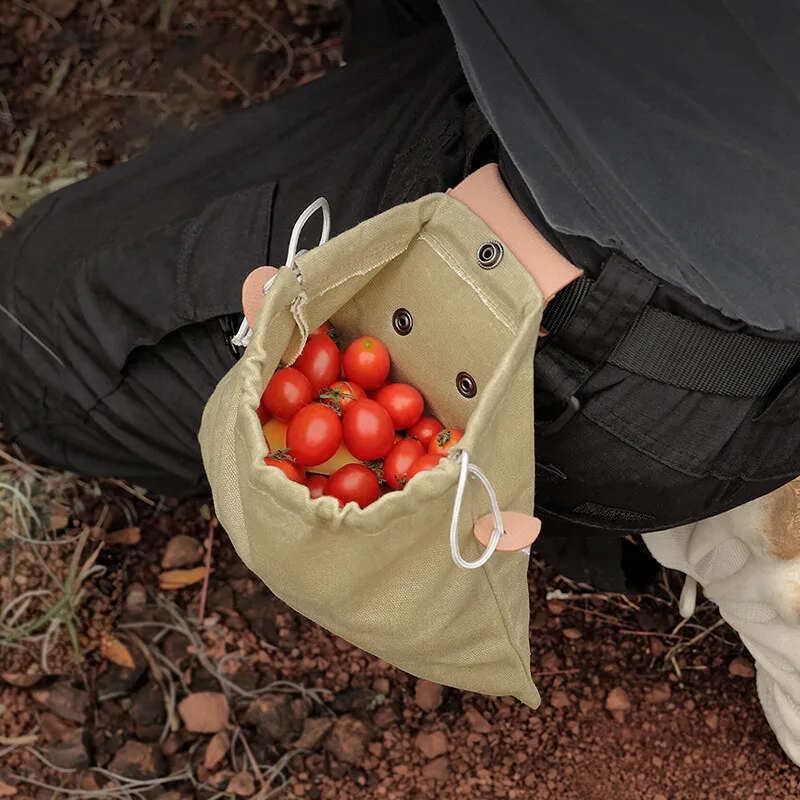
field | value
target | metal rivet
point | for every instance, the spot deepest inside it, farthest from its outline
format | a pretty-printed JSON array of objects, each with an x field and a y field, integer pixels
[
  {"x": 466, "y": 384},
  {"x": 402, "y": 322},
  {"x": 490, "y": 254}
]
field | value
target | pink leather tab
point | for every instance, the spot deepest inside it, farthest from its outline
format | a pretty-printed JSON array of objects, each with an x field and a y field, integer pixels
[
  {"x": 521, "y": 530},
  {"x": 253, "y": 291},
  {"x": 486, "y": 195}
]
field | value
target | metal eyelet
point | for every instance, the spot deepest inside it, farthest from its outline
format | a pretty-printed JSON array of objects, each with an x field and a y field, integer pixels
[
  {"x": 466, "y": 385},
  {"x": 490, "y": 254},
  {"x": 402, "y": 322}
]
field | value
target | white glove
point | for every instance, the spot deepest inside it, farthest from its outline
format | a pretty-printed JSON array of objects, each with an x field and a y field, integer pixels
[{"x": 748, "y": 562}]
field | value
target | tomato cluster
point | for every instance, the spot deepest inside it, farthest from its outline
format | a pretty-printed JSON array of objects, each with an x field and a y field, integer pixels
[{"x": 334, "y": 422}]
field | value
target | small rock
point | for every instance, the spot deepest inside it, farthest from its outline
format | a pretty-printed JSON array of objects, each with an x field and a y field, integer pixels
[
  {"x": 348, "y": 739},
  {"x": 660, "y": 693},
  {"x": 741, "y": 668},
  {"x": 618, "y": 700},
  {"x": 712, "y": 720},
  {"x": 54, "y": 729},
  {"x": 314, "y": 732},
  {"x": 432, "y": 743},
  {"x": 177, "y": 741},
  {"x": 438, "y": 770},
  {"x": 477, "y": 721},
  {"x": 62, "y": 699},
  {"x": 242, "y": 784},
  {"x": 559, "y": 699},
  {"x": 142, "y": 762},
  {"x": 384, "y": 717},
  {"x": 9, "y": 57},
  {"x": 428, "y": 696},
  {"x": 136, "y": 596},
  {"x": 357, "y": 698},
  {"x": 71, "y": 751},
  {"x": 217, "y": 750},
  {"x": 572, "y": 633},
  {"x": 118, "y": 681},
  {"x": 60, "y": 9},
  {"x": 22, "y": 680},
  {"x": 127, "y": 537},
  {"x": 148, "y": 712},
  {"x": 182, "y": 551},
  {"x": 272, "y": 717},
  {"x": 221, "y": 779},
  {"x": 204, "y": 712},
  {"x": 382, "y": 686}
]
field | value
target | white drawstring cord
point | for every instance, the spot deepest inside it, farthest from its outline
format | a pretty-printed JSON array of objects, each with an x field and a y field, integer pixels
[
  {"x": 245, "y": 332},
  {"x": 497, "y": 533}
]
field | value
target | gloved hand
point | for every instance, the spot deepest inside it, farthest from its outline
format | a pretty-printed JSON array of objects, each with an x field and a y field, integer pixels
[{"x": 748, "y": 562}]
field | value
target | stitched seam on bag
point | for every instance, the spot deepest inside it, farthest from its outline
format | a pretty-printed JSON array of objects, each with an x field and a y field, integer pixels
[
  {"x": 440, "y": 249},
  {"x": 385, "y": 255},
  {"x": 525, "y": 668}
]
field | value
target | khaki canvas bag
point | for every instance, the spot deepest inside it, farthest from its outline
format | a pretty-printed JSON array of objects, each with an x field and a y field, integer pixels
[{"x": 405, "y": 578}]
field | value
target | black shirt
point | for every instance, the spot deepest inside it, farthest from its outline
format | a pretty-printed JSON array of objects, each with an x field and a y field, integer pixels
[{"x": 669, "y": 131}]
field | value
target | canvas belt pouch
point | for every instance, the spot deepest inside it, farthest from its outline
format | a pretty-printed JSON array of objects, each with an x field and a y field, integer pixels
[{"x": 433, "y": 578}]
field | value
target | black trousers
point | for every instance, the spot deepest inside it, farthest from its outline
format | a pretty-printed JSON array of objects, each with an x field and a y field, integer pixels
[{"x": 120, "y": 295}]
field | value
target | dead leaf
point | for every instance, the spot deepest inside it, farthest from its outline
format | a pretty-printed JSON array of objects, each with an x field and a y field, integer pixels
[
  {"x": 126, "y": 537},
  {"x": 113, "y": 649},
  {"x": 178, "y": 578},
  {"x": 6, "y": 790},
  {"x": 217, "y": 750}
]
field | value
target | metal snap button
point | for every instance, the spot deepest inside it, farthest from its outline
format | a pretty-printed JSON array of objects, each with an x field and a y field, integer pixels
[
  {"x": 490, "y": 254},
  {"x": 466, "y": 384},
  {"x": 402, "y": 322}
]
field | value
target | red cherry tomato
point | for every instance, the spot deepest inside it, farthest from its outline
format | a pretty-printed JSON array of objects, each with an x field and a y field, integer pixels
[
  {"x": 320, "y": 362},
  {"x": 366, "y": 361},
  {"x": 404, "y": 404},
  {"x": 423, "y": 465},
  {"x": 373, "y": 393},
  {"x": 314, "y": 435},
  {"x": 287, "y": 392},
  {"x": 399, "y": 461},
  {"x": 316, "y": 485},
  {"x": 341, "y": 394},
  {"x": 425, "y": 430},
  {"x": 354, "y": 483},
  {"x": 368, "y": 430},
  {"x": 442, "y": 443},
  {"x": 263, "y": 415},
  {"x": 291, "y": 470},
  {"x": 323, "y": 330}
]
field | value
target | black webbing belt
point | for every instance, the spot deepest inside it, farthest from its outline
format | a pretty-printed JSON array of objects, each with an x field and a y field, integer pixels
[{"x": 681, "y": 352}]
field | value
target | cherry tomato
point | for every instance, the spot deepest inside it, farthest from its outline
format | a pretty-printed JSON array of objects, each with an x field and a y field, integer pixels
[
  {"x": 291, "y": 470},
  {"x": 287, "y": 392},
  {"x": 314, "y": 435},
  {"x": 354, "y": 484},
  {"x": 316, "y": 485},
  {"x": 320, "y": 362},
  {"x": 423, "y": 465},
  {"x": 425, "y": 430},
  {"x": 372, "y": 393},
  {"x": 441, "y": 443},
  {"x": 399, "y": 461},
  {"x": 341, "y": 394},
  {"x": 404, "y": 404},
  {"x": 275, "y": 434},
  {"x": 368, "y": 430},
  {"x": 263, "y": 415},
  {"x": 323, "y": 330},
  {"x": 366, "y": 361}
]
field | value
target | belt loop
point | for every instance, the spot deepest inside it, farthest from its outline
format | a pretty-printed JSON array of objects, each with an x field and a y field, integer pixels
[{"x": 566, "y": 362}]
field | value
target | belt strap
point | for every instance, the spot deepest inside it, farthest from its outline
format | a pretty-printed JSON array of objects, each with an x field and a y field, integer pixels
[{"x": 685, "y": 353}]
